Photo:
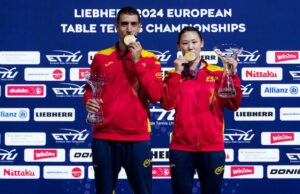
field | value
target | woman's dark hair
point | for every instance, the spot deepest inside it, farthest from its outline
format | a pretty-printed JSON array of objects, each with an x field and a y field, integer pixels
[
  {"x": 129, "y": 11},
  {"x": 189, "y": 29}
]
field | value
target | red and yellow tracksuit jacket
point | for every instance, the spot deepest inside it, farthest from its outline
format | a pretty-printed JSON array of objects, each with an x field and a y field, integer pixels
[
  {"x": 126, "y": 93},
  {"x": 199, "y": 117}
]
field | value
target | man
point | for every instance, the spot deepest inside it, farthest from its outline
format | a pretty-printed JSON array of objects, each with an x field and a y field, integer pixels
[{"x": 133, "y": 77}]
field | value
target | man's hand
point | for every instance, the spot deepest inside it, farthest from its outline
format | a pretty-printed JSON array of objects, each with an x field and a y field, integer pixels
[{"x": 136, "y": 50}]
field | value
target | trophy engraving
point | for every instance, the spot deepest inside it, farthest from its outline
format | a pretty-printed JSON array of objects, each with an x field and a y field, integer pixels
[
  {"x": 97, "y": 83},
  {"x": 225, "y": 52}
]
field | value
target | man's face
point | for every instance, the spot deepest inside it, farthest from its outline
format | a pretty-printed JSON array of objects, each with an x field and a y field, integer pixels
[{"x": 128, "y": 24}]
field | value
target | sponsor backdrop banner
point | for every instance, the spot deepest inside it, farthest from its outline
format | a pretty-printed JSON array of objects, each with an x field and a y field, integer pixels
[{"x": 47, "y": 46}]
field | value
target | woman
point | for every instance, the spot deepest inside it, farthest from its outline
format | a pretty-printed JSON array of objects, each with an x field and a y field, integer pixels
[{"x": 197, "y": 140}]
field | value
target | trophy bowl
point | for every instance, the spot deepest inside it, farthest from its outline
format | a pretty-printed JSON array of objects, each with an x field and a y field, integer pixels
[
  {"x": 226, "y": 52},
  {"x": 97, "y": 83}
]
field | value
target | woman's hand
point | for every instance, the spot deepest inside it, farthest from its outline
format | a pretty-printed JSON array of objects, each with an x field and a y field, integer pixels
[
  {"x": 93, "y": 105},
  {"x": 178, "y": 64}
]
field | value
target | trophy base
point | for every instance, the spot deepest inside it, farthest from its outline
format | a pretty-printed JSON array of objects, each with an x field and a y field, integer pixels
[
  {"x": 226, "y": 93},
  {"x": 94, "y": 120}
]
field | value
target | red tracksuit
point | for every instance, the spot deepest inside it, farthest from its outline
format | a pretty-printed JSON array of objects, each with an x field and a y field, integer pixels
[
  {"x": 126, "y": 94},
  {"x": 199, "y": 120}
]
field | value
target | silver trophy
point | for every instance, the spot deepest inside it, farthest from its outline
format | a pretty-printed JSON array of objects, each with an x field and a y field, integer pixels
[
  {"x": 225, "y": 52},
  {"x": 97, "y": 83}
]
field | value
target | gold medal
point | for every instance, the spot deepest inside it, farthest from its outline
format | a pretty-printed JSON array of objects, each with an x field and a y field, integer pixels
[
  {"x": 128, "y": 39},
  {"x": 190, "y": 56}
]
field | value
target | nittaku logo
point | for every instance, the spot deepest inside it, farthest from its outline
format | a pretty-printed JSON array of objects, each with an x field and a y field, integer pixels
[
  {"x": 163, "y": 57},
  {"x": 64, "y": 57},
  {"x": 71, "y": 136},
  {"x": 248, "y": 57},
  {"x": 8, "y": 156},
  {"x": 238, "y": 136},
  {"x": 71, "y": 90},
  {"x": 18, "y": 173},
  {"x": 246, "y": 90},
  {"x": 8, "y": 74}
]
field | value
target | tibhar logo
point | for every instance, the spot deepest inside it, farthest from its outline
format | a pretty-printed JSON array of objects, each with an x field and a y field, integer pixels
[
  {"x": 71, "y": 136},
  {"x": 7, "y": 156},
  {"x": 282, "y": 137},
  {"x": 8, "y": 74},
  {"x": 246, "y": 90},
  {"x": 72, "y": 90},
  {"x": 163, "y": 57},
  {"x": 64, "y": 57},
  {"x": 248, "y": 57},
  {"x": 241, "y": 170},
  {"x": 238, "y": 136}
]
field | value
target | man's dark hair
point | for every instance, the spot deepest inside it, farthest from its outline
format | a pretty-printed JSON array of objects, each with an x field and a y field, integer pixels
[
  {"x": 189, "y": 29},
  {"x": 129, "y": 11}
]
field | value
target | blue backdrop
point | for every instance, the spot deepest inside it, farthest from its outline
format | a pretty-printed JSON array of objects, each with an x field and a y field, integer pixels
[{"x": 46, "y": 46}]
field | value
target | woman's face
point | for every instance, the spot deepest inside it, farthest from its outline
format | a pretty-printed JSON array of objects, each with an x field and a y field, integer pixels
[{"x": 190, "y": 42}]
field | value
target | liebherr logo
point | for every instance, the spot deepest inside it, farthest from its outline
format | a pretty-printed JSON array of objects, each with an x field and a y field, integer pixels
[
  {"x": 163, "y": 57},
  {"x": 8, "y": 156},
  {"x": 64, "y": 57},
  {"x": 71, "y": 90},
  {"x": 8, "y": 74},
  {"x": 238, "y": 136},
  {"x": 70, "y": 136}
]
